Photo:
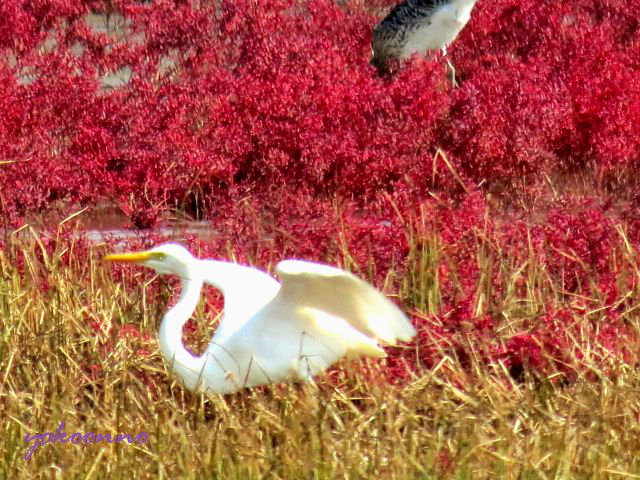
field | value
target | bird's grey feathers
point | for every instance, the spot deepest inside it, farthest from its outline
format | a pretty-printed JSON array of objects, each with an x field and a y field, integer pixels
[
  {"x": 417, "y": 26},
  {"x": 405, "y": 14}
]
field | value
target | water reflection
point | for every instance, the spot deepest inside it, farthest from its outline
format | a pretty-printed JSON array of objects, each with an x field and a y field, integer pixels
[{"x": 122, "y": 236}]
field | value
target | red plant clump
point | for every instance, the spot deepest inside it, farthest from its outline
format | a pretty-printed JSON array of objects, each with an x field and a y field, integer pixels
[
  {"x": 493, "y": 124},
  {"x": 250, "y": 96},
  {"x": 583, "y": 244}
]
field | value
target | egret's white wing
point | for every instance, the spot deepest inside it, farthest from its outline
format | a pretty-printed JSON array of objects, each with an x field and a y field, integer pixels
[
  {"x": 246, "y": 290},
  {"x": 319, "y": 315},
  {"x": 343, "y": 295},
  {"x": 288, "y": 342}
]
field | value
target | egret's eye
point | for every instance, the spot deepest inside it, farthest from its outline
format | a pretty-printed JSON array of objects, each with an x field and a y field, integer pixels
[{"x": 159, "y": 255}]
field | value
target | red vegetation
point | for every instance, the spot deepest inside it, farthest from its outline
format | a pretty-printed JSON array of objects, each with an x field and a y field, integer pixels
[{"x": 265, "y": 117}]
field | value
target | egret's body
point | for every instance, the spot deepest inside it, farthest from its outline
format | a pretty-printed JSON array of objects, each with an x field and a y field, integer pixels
[
  {"x": 418, "y": 26},
  {"x": 271, "y": 332}
]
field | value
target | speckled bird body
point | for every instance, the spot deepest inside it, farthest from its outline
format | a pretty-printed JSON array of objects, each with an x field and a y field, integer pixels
[{"x": 418, "y": 26}]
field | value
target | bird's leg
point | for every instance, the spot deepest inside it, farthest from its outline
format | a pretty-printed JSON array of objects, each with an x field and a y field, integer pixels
[
  {"x": 454, "y": 82},
  {"x": 452, "y": 69}
]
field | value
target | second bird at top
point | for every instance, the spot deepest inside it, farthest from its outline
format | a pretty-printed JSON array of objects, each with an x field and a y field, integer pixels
[{"x": 417, "y": 26}]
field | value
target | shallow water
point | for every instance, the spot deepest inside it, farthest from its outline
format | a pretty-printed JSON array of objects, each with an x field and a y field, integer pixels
[
  {"x": 110, "y": 223},
  {"x": 122, "y": 236},
  {"x": 104, "y": 223}
]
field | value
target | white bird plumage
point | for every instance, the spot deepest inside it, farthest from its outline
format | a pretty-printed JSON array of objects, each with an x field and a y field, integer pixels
[{"x": 271, "y": 332}]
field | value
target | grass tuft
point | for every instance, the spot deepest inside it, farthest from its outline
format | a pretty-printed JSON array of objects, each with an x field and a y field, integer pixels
[{"x": 79, "y": 346}]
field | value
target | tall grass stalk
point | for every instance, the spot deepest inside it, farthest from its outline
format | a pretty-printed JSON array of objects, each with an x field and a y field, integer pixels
[{"x": 451, "y": 420}]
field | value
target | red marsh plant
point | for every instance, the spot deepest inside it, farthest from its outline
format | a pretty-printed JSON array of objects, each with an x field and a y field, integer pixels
[{"x": 227, "y": 98}]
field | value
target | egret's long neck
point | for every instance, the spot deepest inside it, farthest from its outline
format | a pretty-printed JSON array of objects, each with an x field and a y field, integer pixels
[{"x": 183, "y": 362}]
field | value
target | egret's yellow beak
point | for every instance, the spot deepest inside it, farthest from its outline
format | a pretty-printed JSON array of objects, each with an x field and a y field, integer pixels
[{"x": 133, "y": 257}]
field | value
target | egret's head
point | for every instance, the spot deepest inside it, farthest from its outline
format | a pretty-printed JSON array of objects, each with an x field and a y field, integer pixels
[{"x": 169, "y": 258}]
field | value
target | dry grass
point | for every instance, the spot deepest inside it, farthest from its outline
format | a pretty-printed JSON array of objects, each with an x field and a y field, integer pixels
[{"x": 446, "y": 423}]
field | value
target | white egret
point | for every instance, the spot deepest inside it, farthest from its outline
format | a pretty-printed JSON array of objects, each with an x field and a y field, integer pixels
[{"x": 270, "y": 332}]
